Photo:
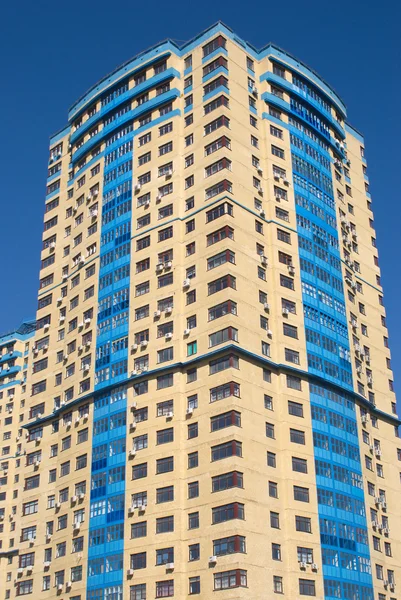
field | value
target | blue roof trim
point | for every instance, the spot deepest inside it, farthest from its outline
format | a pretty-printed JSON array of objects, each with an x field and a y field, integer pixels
[
  {"x": 59, "y": 135},
  {"x": 25, "y": 330},
  {"x": 279, "y": 367},
  {"x": 155, "y": 52},
  {"x": 354, "y": 132}
]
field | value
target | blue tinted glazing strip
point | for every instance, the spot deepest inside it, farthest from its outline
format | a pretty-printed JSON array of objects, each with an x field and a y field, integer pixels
[
  {"x": 107, "y": 500},
  {"x": 341, "y": 503}
]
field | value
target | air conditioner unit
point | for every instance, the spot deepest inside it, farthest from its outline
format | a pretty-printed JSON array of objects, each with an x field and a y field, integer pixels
[
  {"x": 386, "y": 530},
  {"x": 302, "y": 565},
  {"x": 45, "y": 347},
  {"x": 147, "y": 204},
  {"x": 259, "y": 170},
  {"x": 157, "y": 314},
  {"x": 132, "y": 426},
  {"x": 286, "y": 181},
  {"x": 260, "y": 191},
  {"x": 47, "y": 325},
  {"x": 159, "y": 197},
  {"x": 58, "y": 505},
  {"x": 186, "y": 283},
  {"x": 87, "y": 344},
  {"x": 169, "y": 414},
  {"x": 29, "y": 570},
  {"x": 276, "y": 176},
  {"x": 81, "y": 496},
  {"x": 371, "y": 448},
  {"x": 378, "y": 452},
  {"x": 359, "y": 370},
  {"x": 20, "y": 571},
  {"x": 95, "y": 192},
  {"x": 87, "y": 320},
  {"x": 68, "y": 424},
  {"x": 130, "y": 572},
  {"x": 135, "y": 372},
  {"x": 144, "y": 343},
  {"x": 364, "y": 419},
  {"x": 60, "y": 587},
  {"x": 137, "y": 187},
  {"x": 65, "y": 276},
  {"x": 134, "y": 347},
  {"x": 132, "y": 453},
  {"x": 142, "y": 507},
  {"x": 169, "y": 336},
  {"x": 46, "y": 564},
  {"x": 36, "y": 464},
  {"x": 187, "y": 331},
  {"x": 269, "y": 333},
  {"x": 80, "y": 348},
  {"x": 190, "y": 411},
  {"x": 385, "y": 582},
  {"x": 68, "y": 584},
  {"x": 48, "y": 537},
  {"x": 213, "y": 559},
  {"x": 169, "y": 173},
  {"x": 392, "y": 586},
  {"x": 266, "y": 306},
  {"x": 170, "y": 566},
  {"x": 384, "y": 505},
  {"x": 94, "y": 213},
  {"x": 73, "y": 499},
  {"x": 86, "y": 369},
  {"x": 291, "y": 269},
  {"x": 131, "y": 511},
  {"x": 86, "y": 416},
  {"x": 35, "y": 351},
  {"x": 262, "y": 213},
  {"x": 377, "y": 499},
  {"x": 76, "y": 526},
  {"x": 168, "y": 310},
  {"x": 255, "y": 91},
  {"x": 168, "y": 264},
  {"x": 52, "y": 245},
  {"x": 77, "y": 419},
  {"x": 133, "y": 405},
  {"x": 263, "y": 259},
  {"x": 80, "y": 325},
  {"x": 314, "y": 567},
  {"x": 159, "y": 267}
]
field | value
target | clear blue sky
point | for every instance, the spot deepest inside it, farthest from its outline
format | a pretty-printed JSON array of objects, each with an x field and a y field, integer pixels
[{"x": 53, "y": 52}]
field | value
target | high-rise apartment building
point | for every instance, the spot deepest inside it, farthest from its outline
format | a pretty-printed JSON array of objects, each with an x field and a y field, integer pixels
[
  {"x": 15, "y": 360},
  {"x": 210, "y": 406}
]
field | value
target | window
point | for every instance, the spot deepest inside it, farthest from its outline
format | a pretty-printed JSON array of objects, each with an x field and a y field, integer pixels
[
  {"x": 193, "y": 520},
  {"x": 193, "y": 460},
  {"x": 300, "y": 465},
  {"x": 164, "y": 524},
  {"x": 165, "y": 589},
  {"x": 273, "y": 489},
  {"x": 297, "y": 436},
  {"x": 165, "y": 465},
  {"x": 301, "y": 494},
  {"x": 303, "y": 524},
  {"x": 230, "y": 579},
  {"x": 227, "y": 481},
  {"x": 271, "y": 460},
  {"x": 307, "y": 587},
  {"x": 295, "y": 408},
  {"x": 270, "y": 431},
  {"x": 227, "y": 512}
]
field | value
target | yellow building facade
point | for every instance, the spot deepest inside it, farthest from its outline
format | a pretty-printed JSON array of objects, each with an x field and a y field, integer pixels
[{"x": 210, "y": 400}]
